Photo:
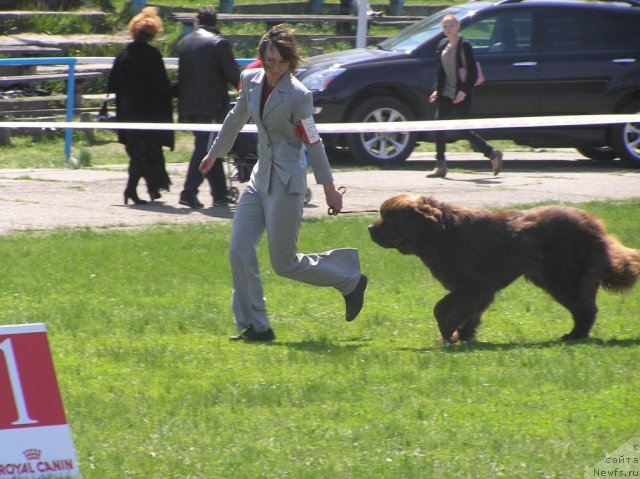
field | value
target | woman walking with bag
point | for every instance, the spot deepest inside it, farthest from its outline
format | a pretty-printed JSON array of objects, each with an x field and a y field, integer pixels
[
  {"x": 143, "y": 95},
  {"x": 457, "y": 75}
]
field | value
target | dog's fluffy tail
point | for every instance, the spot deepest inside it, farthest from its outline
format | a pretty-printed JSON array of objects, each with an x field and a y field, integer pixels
[{"x": 624, "y": 266}]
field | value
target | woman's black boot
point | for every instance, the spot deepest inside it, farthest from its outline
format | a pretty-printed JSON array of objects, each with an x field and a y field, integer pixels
[{"x": 133, "y": 196}]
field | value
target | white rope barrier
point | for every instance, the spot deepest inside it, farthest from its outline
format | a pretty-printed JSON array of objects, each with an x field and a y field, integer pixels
[{"x": 376, "y": 127}]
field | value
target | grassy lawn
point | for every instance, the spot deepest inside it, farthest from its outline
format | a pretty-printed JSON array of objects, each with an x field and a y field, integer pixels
[
  {"x": 138, "y": 324},
  {"x": 24, "y": 152}
]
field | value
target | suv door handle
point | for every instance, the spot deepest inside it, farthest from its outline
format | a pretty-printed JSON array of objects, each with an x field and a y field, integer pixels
[
  {"x": 623, "y": 61},
  {"x": 525, "y": 64}
]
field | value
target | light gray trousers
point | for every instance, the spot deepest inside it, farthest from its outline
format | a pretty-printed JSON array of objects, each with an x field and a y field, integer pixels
[{"x": 279, "y": 213}]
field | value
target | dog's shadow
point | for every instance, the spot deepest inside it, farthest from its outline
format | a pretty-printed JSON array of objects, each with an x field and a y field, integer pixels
[
  {"x": 473, "y": 346},
  {"x": 352, "y": 345}
]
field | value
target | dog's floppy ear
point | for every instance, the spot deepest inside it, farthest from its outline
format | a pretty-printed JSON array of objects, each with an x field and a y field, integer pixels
[{"x": 433, "y": 215}]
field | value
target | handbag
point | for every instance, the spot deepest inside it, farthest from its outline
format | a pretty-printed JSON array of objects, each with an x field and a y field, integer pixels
[
  {"x": 462, "y": 72},
  {"x": 104, "y": 114}
]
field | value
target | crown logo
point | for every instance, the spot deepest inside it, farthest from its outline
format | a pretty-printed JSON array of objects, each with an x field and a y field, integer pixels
[{"x": 32, "y": 454}]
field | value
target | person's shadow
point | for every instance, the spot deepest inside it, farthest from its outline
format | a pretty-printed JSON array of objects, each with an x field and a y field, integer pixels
[{"x": 226, "y": 211}]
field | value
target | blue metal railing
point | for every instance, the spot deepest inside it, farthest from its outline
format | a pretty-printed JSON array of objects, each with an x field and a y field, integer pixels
[{"x": 71, "y": 62}]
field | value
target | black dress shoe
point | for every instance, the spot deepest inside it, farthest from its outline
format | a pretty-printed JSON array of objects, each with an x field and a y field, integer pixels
[
  {"x": 251, "y": 334},
  {"x": 222, "y": 202},
  {"x": 355, "y": 299},
  {"x": 191, "y": 203}
]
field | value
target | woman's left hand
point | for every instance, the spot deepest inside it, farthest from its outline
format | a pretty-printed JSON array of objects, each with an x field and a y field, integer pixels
[
  {"x": 333, "y": 197},
  {"x": 460, "y": 96},
  {"x": 206, "y": 164}
]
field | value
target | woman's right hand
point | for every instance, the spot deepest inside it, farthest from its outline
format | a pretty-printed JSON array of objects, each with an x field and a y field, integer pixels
[
  {"x": 206, "y": 164},
  {"x": 433, "y": 97}
]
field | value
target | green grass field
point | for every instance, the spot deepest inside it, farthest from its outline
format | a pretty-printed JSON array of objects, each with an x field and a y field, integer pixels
[{"x": 138, "y": 324}]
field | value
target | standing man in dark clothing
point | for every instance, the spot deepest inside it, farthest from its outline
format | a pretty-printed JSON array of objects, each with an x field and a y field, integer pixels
[{"x": 206, "y": 69}]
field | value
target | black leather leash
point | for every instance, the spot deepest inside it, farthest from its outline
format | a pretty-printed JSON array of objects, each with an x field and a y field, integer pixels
[{"x": 342, "y": 190}]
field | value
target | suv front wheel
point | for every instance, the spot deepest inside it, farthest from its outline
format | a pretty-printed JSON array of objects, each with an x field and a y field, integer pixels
[
  {"x": 598, "y": 153},
  {"x": 626, "y": 138},
  {"x": 386, "y": 148}
]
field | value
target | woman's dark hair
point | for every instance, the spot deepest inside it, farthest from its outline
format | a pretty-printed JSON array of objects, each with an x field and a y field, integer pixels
[{"x": 284, "y": 41}]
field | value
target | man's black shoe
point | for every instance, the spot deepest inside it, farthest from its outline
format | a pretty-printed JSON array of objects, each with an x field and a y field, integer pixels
[
  {"x": 250, "y": 334},
  {"x": 355, "y": 299},
  {"x": 191, "y": 203},
  {"x": 221, "y": 202}
]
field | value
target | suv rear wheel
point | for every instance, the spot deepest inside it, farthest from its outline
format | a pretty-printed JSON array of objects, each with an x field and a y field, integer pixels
[
  {"x": 626, "y": 138},
  {"x": 388, "y": 148}
]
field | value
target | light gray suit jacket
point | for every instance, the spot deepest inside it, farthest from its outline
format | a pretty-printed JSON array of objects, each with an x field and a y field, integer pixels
[{"x": 280, "y": 148}]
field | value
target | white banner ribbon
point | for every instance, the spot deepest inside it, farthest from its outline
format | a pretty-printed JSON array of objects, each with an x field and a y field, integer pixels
[{"x": 374, "y": 127}]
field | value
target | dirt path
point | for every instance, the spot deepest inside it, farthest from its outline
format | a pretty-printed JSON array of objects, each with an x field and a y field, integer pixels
[{"x": 41, "y": 199}]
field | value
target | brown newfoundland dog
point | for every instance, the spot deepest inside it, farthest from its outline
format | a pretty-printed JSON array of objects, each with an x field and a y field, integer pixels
[{"x": 475, "y": 252}]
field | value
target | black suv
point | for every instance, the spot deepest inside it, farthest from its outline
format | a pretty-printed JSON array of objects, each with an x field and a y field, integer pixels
[{"x": 539, "y": 57}]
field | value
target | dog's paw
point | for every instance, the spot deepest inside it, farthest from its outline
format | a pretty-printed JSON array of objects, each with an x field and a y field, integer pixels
[
  {"x": 574, "y": 337},
  {"x": 452, "y": 340}
]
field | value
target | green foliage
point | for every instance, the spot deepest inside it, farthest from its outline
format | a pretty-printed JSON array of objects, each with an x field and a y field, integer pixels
[
  {"x": 60, "y": 24},
  {"x": 84, "y": 157},
  {"x": 102, "y": 147},
  {"x": 138, "y": 324}
]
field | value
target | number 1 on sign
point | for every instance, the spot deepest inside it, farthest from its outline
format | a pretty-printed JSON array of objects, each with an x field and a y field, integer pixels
[{"x": 16, "y": 387}]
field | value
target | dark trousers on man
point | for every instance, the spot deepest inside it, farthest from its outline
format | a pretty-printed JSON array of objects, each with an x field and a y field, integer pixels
[{"x": 215, "y": 177}]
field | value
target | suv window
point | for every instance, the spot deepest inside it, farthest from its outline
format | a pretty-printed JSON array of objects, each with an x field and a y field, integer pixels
[
  {"x": 503, "y": 32},
  {"x": 586, "y": 32},
  {"x": 419, "y": 33}
]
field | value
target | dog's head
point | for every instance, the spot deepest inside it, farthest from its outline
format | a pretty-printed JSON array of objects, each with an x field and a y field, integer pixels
[{"x": 405, "y": 222}]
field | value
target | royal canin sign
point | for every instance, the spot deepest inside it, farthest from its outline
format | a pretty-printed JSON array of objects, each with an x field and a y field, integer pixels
[{"x": 35, "y": 439}]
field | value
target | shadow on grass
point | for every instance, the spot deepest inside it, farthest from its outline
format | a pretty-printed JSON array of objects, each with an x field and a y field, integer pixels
[
  {"x": 226, "y": 211},
  {"x": 472, "y": 346},
  {"x": 321, "y": 345}
]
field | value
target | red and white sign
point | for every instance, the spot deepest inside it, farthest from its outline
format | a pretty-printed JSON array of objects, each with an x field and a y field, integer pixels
[{"x": 35, "y": 439}]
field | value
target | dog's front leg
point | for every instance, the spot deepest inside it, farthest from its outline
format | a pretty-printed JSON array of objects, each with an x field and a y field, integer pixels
[{"x": 459, "y": 313}]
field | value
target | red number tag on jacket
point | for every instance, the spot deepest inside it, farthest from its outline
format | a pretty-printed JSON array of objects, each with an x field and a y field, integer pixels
[{"x": 308, "y": 131}]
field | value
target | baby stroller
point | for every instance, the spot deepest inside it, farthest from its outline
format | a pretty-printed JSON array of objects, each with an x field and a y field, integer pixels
[{"x": 244, "y": 157}]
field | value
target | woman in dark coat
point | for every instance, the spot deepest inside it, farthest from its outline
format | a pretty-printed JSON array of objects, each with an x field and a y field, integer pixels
[{"x": 143, "y": 95}]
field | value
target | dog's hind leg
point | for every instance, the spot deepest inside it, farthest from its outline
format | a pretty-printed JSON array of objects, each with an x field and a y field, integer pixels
[
  {"x": 584, "y": 315},
  {"x": 580, "y": 299},
  {"x": 461, "y": 311}
]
